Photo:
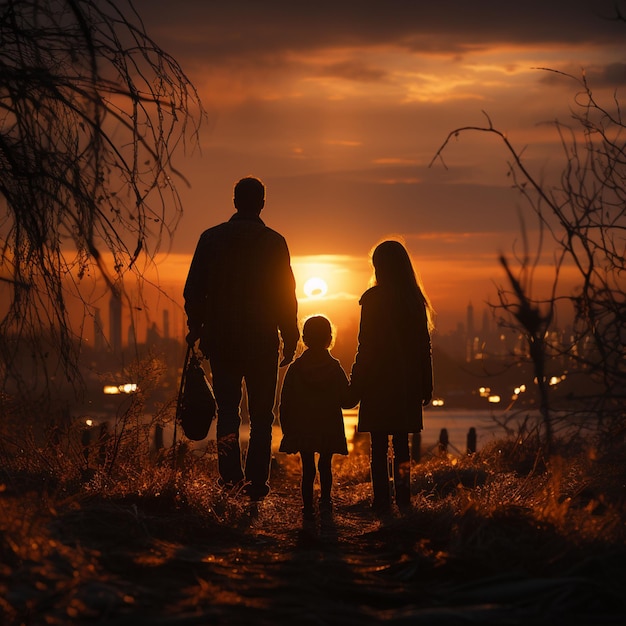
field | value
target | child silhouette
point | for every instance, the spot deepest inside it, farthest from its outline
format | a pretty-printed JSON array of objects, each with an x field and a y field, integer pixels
[{"x": 314, "y": 391}]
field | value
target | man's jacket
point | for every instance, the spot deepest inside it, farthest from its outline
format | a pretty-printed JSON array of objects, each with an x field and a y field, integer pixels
[{"x": 240, "y": 290}]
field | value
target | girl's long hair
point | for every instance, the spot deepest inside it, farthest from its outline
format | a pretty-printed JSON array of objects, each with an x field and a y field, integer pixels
[{"x": 393, "y": 270}]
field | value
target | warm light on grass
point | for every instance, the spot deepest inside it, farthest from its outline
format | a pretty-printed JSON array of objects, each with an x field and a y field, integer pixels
[
  {"x": 113, "y": 390},
  {"x": 555, "y": 380}
]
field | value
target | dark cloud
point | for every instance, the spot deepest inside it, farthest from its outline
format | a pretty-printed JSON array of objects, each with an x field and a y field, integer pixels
[
  {"x": 354, "y": 70},
  {"x": 302, "y": 146},
  {"x": 236, "y": 28},
  {"x": 611, "y": 75},
  {"x": 352, "y": 210},
  {"x": 608, "y": 75}
]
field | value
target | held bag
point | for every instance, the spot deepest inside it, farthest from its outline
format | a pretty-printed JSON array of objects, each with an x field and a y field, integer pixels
[{"x": 196, "y": 403}]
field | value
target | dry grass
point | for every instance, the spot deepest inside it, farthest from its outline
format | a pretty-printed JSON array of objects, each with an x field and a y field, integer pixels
[{"x": 500, "y": 537}]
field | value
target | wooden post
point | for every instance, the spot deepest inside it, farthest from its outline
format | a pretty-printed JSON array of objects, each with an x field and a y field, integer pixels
[
  {"x": 103, "y": 440},
  {"x": 443, "y": 441},
  {"x": 471, "y": 441},
  {"x": 85, "y": 440},
  {"x": 158, "y": 437}
]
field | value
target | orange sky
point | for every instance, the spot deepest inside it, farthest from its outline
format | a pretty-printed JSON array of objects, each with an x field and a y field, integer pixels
[{"x": 340, "y": 107}]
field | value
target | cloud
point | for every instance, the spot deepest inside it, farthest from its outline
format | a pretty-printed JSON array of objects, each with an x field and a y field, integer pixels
[
  {"x": 355, "y": 70},
  {"x": 610, "y": 75},
  {"x": 245, "y": 51},
  {"x": 239, "y": 28},
  {"x": 339, "y": 105},
  {"x": 350, "y": 211}
]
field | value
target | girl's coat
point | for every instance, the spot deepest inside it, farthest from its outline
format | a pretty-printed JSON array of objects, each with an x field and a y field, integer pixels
[{"x": 392, "y": 373}]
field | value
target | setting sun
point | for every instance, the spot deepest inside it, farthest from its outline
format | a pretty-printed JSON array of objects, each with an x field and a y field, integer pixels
[{"x": 315, "y": 287}]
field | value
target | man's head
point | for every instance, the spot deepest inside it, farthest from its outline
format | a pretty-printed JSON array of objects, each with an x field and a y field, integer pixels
[{"x": 249, "y": 195}]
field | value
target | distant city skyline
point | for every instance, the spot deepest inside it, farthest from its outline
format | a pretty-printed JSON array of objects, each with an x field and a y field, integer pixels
[{"x": 466, "y": 341}]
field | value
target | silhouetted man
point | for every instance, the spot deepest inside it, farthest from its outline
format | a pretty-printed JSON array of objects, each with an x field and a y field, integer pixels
[{"x": 240, "y": 292}]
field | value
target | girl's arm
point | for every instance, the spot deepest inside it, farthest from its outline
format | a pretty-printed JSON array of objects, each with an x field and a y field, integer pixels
[
  {"x": 348, "y": 396},
  {"x": 426, "y": 361}
]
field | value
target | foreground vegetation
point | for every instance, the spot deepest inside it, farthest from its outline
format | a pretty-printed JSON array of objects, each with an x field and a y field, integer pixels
[{"x": 503, "y": 536}]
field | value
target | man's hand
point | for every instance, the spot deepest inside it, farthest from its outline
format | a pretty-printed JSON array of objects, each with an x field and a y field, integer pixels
[{"x": 192, "y": 337}]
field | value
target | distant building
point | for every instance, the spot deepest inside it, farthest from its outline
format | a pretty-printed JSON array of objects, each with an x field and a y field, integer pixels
[
  {"x": 115, "y": 320},
  {"x": 486, "y": 326},
  {"x": 99, "y": 340},
  {"x": 470, "y": 342},
  {"x": 132, "y": 334},
  {"x": 470, "y": 321},
  {"x": 166, "y": 324},
  {"x": 152, "y": 336}
]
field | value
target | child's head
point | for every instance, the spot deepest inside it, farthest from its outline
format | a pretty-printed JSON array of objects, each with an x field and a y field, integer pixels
[{"x": 317, "y": 332}]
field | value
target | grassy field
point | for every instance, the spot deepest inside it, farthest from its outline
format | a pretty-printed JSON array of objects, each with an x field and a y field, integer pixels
[{"x": 502, "y": 537}]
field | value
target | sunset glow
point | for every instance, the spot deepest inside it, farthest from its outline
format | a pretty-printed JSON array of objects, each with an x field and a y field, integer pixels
[
  {"x": 315, "y": 287},
  {"x": 332, "y": 285},
  {"x": 341, "y": 119}
]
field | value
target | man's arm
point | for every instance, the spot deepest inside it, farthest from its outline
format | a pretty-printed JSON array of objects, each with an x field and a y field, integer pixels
[
  {"x": 195, "y": 291},
  {"x": 287, "y": 306}
]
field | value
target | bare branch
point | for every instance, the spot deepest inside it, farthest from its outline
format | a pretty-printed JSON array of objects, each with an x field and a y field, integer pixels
[
  {"x": 585, "y": 214},
  {"x": 91, "y": 113}
]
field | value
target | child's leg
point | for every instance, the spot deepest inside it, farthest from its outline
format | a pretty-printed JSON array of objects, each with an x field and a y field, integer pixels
[
  {"x": 324, "y": 466},
  {"x": 308, "y": 478}
]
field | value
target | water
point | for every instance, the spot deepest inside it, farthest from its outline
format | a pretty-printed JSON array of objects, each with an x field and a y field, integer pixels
[{"x": 457, "y": 422}]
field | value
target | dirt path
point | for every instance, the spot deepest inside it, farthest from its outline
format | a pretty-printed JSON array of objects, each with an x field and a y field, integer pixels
[
  {"x": 160, "y": 561},
  {"x": 270, "y": 569}
]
